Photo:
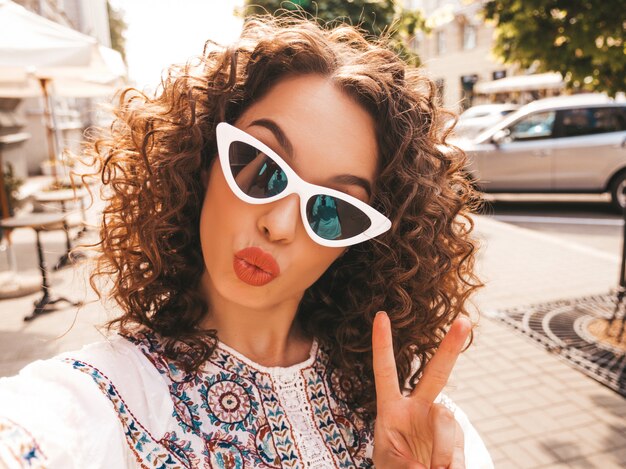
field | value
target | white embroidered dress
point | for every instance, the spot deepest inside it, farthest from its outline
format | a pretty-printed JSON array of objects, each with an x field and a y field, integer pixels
[{"x": 122, "y": 403}]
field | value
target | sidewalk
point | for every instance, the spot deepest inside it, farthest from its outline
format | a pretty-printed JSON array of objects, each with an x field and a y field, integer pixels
[{"x": 532, "y": 409}]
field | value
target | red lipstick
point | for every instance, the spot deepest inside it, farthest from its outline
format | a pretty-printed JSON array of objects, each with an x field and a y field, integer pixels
[{"x": 255, "y": 267}]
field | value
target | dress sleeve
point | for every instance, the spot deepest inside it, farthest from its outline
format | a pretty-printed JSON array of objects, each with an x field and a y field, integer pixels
[
  {"x": 476, "y": 454},
  {"x": 54, "y": 416}
]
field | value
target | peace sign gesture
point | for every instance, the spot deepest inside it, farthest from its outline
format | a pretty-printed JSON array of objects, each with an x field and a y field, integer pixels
[{"x": 413, "y": 431}]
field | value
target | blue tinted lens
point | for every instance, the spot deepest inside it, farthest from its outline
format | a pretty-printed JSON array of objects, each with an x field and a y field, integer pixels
[
  {"x": 255, "y": 173},
  {"x": 333, "y": 219}
]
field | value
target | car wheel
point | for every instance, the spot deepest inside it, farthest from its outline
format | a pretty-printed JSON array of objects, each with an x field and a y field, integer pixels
[{"x": 618, "y": 198}]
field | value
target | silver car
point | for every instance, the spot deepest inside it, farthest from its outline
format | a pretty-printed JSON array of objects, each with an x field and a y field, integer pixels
[{"x": 566, "y": 144}]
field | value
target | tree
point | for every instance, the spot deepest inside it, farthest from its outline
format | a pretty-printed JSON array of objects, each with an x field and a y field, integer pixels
[
  {"x": 582, "y": 39},
  {"x": 117, "y": 28},
  {"x": 376, "y": 17}
]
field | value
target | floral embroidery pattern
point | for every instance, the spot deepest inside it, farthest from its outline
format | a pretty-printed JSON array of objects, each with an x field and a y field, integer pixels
[
  {"x": 231, "y": 414},
  {"x": 223, "y": 454},
  {"x": 265, "y": 447},
  {"x": 356, "y": 434},
  {"x": 149, "y": 452},
  {"x": 17, "y": 444},
  {"x": 341, "y": 435},
  {"x": 228, "y": 401}
]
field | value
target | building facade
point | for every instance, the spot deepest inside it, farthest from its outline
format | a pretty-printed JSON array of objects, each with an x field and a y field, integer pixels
[
  {"x": 457, "y": 55},
  {"x": 457, "y": 52}
]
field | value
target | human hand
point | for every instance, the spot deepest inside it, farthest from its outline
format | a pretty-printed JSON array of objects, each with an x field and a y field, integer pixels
[{"x": 413, "y": 431}]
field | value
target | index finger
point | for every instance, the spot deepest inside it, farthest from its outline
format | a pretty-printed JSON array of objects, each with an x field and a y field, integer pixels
[
  {"x": 383, "y": 360},
  {"x": 438, "y": 370}
]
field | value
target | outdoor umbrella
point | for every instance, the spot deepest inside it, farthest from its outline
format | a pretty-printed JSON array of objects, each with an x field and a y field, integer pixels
[{"x": 36, "y": 53}]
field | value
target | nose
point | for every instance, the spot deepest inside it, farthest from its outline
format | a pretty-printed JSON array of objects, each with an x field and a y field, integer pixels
[{"x": 279, "y": 220}]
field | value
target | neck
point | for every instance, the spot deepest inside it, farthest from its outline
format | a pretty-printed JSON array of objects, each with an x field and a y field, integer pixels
[{"x": 269, "y": 335}]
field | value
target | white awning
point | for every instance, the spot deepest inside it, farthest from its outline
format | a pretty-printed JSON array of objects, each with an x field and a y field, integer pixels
[
  {"x": 27, "y": 39},
  {"x": 541, "y": 81},
  {"x": 33, "y": 47}
]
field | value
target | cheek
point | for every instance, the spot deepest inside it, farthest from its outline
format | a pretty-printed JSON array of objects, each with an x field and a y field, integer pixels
[
  {"x": 314, "y": 260},
  {"x": 214, "y": 219}
]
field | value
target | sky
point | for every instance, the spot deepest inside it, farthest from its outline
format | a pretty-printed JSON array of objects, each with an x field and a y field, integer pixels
[{"x": 164, "y": 32}]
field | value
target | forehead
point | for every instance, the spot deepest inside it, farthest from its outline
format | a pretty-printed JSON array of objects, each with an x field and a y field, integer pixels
[{"x": 330, "y": 132}]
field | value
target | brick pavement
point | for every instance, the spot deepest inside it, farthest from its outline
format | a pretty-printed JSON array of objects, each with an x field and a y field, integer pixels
[{"x": 532, "y": 409}]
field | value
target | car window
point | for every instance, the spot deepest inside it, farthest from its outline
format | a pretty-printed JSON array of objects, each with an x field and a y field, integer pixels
[
  {"x": 533, "y": 126},
  {"x": 589, "y": 121}
]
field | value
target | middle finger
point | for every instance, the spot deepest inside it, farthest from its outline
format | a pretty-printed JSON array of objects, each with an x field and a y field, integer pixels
[{"x": 438, "y": 370}]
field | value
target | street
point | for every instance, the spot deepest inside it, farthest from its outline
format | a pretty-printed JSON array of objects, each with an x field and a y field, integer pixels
[{"x": 584, "y": 219}]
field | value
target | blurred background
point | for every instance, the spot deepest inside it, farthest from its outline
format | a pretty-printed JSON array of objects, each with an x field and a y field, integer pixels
[{"x": 538, "y": 88}]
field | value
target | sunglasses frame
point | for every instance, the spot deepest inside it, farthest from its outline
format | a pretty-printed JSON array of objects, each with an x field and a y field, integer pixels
[{"x": 227, "y": 134}]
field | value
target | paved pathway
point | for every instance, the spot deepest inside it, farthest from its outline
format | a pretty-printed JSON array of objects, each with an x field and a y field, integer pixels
[{"x": 532, "y": 409}]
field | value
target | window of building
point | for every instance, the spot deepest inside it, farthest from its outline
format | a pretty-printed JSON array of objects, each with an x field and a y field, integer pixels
[
  {"x": 440, "y": 39},
  {"x": 469, "y": 36},
  {"x": 414, "y": 43},
  {"x": 467, "y": 90},
  {"x": 440, "y": 84}
]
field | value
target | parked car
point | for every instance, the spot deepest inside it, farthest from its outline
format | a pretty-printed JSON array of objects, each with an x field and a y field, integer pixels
[
  {"x": 565, "y": 144},
  {"x": 477, "y": 119}
]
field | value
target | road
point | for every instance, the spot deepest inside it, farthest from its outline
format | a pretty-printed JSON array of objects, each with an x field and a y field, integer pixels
[{"x": 581, "y": 219}]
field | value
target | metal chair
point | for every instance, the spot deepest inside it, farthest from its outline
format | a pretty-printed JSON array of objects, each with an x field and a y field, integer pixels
[
  {"x": 62, "y": 197},
  {"x": 41, "y": 222}
]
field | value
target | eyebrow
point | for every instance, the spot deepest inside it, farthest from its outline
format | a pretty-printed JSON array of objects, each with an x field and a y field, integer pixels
[
  {"x": 285, "y": 143},
  {"x": 278, "y": 133},
  {"x": 350, "y": 179}
]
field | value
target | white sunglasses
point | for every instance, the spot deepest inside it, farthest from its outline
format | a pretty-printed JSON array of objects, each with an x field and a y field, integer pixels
[{"x": 257, "y": 175}]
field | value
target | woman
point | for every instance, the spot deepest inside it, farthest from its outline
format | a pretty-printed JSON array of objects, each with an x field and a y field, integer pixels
[{"x": 288, "y": 245}]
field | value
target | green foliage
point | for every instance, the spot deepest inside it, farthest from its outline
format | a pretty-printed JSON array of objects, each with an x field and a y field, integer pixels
[
  {"x": 376, "y": 17},
  {"x": 117, "y": 27},
  {"x": 12, "y": 186},
  {"x": 582, "y": 39}
]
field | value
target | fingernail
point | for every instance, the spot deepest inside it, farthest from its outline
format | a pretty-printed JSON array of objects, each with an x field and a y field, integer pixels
[
  {"x": 468, "y": 323},
  {"x": 380, "y": 312}
]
